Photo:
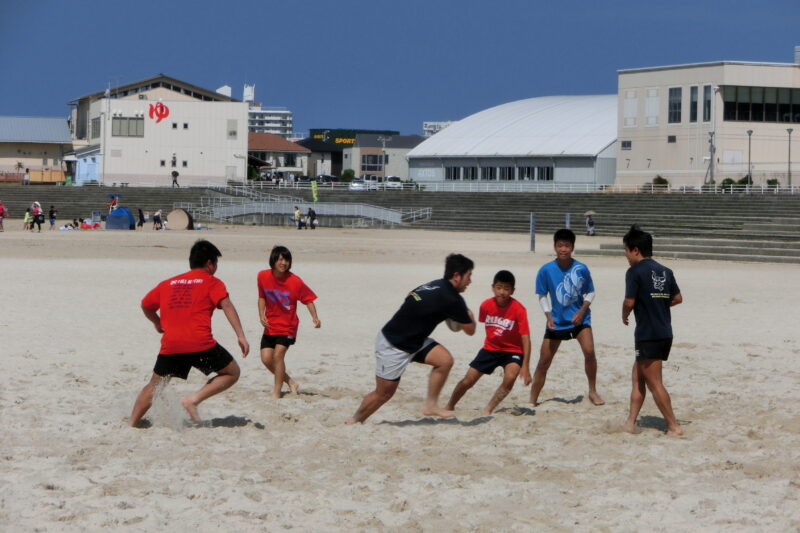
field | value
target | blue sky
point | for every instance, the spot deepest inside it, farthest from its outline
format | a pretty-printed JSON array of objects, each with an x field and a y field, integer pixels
[{"x": 372, "y": 63}]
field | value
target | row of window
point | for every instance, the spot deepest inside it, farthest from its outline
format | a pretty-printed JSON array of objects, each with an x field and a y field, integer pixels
[
  {"x": 675, "y": 103},
  {"x": 374, "y": 162},
  {"x": 761, "y": 104},
  {"x": 174, "y": 163},
  {"x": 499, "y": 173}
]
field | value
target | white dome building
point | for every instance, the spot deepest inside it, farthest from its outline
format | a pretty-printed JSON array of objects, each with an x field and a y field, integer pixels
[{"x": 550, "y": 142}]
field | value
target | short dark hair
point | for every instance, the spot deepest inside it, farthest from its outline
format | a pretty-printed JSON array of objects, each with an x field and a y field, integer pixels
[
  {"x": 202, "y": 252},
  {"x": 564, "y": 234},
  {"x": 638, "y": 238},
  {"x": 278, "y": 252},
  {"x": 504, "y": 276},
  {"x": 457, "y": 264}
]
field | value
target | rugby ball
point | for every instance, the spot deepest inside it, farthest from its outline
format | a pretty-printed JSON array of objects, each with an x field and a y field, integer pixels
[{"x": 452, "y": 324}]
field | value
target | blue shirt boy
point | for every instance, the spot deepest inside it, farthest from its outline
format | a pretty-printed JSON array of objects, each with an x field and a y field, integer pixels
[{"x": 566, "y": 288}]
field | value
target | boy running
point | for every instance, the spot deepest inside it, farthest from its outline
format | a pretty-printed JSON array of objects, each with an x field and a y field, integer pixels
[
  {"x": 569, "y": 285},
  {"x": 279, "y": 290},
  {"x": 650, "y": 291},
  {"x": 507, "y": 344},
  {"x": 405, "y": 338},
  {"x": 186, "y": 303}
]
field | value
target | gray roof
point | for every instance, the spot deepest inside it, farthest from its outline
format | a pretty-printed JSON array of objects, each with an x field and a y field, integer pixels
[
  {"x": 34, "y": 130},
  {"x": 370, "y": 140}
]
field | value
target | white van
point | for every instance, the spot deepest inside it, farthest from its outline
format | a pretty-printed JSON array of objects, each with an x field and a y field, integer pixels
[{"x": 372, "y": 181}]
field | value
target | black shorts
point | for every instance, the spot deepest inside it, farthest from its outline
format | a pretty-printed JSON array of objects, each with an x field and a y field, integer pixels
[
  {"x": 269, "y": 341},
  {"x": 179, "y": 364},
  {"x": 657, "y": 349},
  {"x": 487, "y": 361},
  {"x": 564, "y": 334},
  {"x": 419, "y": 356}
]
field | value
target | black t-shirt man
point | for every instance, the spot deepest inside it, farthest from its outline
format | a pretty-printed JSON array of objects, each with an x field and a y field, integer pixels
[
  {"x": 653, "y": 286},
  {"x": 423, "y": 309}
]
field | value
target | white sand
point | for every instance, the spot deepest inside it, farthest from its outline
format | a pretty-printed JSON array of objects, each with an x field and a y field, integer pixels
[{"x": 76, "y": 349}]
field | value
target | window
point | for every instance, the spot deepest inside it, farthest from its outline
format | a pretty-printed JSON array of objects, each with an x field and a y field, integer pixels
[
  {"x": 761, "y": 104},
  {"x": 232, "y": 129},
  {"x": 693, "y": 103},
  {"x": 44, "y": 161},
  {"x": 651, "y": 107},
  {"x": 672, "y": 139},
  {"x": 626, "y": 145},
  {"x": 452, "y": 173},
  {"x": 630, "y": 109},
  {"x": 95, "y": 128},
  {"x": 163, "y": 163},
  {"x": 507, "y": 173},
  {"x": 706, "y": 103},
  {"x": 127, "y": 127},
  {"x": 371, "y": 162},
  {"x": 544, "y": 173},
  {"x": 526, "y": 173},
  {"x": 290, "y": 160},
  {"x": 186, "y": 125},
  {"x": 185, "y": 164},
  {"x": 174, "y": 125},
  {"x": 488, "y": 173},
  {"x": 674, "y": 112},
  {"x": 470, "y": 173}
]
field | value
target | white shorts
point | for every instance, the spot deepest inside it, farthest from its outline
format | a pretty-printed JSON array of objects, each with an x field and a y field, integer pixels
[{"x": 391, "y": 362}]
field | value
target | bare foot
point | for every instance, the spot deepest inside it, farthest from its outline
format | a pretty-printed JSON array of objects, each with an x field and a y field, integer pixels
[
  {"x": 350, "y": 421},
  {"x": 277, "y": 394},
  {"x": 438, "y": 411},
  {"x": 486, "y": 411},
  {"x": 677, "y": 431},
  {"x": 535, "y": 402},
  {"x": 191, "y": 408},
  {"x": 630, "y": 427},
  {"x": 596, "y": 399},
  {"x": 294, "y": 387}
]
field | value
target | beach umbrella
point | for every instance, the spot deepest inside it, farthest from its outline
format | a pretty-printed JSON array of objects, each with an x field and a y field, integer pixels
[{"x": 589, "y": 213}]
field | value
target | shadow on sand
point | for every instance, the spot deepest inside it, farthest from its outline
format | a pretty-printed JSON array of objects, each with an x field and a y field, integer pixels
[
  {"x": 429, "y": 421},
  {"x": 517, "y": 411},
  {"x": 656, "y": 422},
  {"x": 576, "y": 399},
  {"x": 230, "y": 421}
]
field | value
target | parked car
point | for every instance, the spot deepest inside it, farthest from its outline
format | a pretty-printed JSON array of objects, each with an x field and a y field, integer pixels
[
  {"x": 357, "y": 185},
  {"x": 325, "y": 178},
  {"x": 393, "y": 182},
  {"x": 373, "y": 182}
]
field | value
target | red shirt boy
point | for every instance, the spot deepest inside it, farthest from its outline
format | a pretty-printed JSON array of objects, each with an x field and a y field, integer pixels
[
  {"x": 505, "y": 326},
  {"x": 282, "y": 296}
]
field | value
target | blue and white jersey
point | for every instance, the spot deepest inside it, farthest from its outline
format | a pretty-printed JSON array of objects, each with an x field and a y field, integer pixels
[{"x": 566, "y": 287}]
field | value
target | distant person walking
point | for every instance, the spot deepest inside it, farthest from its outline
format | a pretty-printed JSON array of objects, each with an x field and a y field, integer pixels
[
  {"x": 589, "y": 225},
  {"x": 3, "y": 214},
  {"x": 141, "y": 219},
  {"x": 27, "y": 220},
  {"x": 175, "y": 178},
  {"x": 311, "y": 219},
  {"x": 51, "y": 216},
  {"x": 157, "y": 220},
  {"x": 26, "y": 178},
  {"x": 38, "y": 216}
]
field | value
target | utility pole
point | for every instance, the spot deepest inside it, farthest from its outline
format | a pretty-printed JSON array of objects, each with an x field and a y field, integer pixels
[{"x": 789, "y": 168}]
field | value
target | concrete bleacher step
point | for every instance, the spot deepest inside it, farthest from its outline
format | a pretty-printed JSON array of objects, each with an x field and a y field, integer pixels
[{"x": 698, "y": 255}]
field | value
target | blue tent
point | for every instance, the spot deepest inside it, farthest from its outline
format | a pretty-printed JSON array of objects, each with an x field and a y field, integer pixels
[{"x": 120, "y": 218}]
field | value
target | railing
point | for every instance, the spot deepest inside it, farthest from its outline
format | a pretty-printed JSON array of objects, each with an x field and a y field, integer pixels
[{"x": 228, "y": 208}]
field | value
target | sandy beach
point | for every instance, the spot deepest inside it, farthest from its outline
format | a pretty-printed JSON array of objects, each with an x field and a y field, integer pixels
[{"x": 76, "y": 350}]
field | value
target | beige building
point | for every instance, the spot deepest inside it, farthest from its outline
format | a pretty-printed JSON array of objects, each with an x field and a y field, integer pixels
[
  {"x": 141, "y": 132},
  {"x": 33, "y": 146},
  {"x": 671, "y": 119},
  {"x": 380, "y": 155}
]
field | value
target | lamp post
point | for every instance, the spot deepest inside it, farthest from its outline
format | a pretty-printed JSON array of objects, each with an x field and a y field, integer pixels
[
  {"x": 749, "y": 164},
  {"x": 383, "y": 140},
  {"x": 789, "y": 168}
]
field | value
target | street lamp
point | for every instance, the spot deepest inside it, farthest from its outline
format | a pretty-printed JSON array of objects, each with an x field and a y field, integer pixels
[
  {"x": 383, "y": 140},
  {"x": 789, "y": 173},
  {"x": 749, "y": 164}
]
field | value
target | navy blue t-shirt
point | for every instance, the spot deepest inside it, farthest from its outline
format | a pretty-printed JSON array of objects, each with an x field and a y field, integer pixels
[
  {"x": 653, "y": 286},
  {"x": 423, "y": 309}
]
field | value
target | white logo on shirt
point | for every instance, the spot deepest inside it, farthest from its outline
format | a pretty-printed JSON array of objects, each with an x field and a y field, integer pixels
[
  {"x": 571, "y": 288},
  {"x": 659, "y": 281},
  {"x": 501, "y": 324}
]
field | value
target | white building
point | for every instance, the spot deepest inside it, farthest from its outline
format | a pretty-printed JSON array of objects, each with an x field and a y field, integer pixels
[
  {"x": 380, "y": 155},
  {"x": 558, "y": 140},
  {"x": 669, "y": 115},
  {"x": 141, "y": 132},
  {"x": 262, "y": 119}
]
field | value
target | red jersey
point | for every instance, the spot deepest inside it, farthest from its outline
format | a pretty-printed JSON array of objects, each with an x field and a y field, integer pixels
[
  {"x": 505, "y": 326},
  {"x": 186, "y": 303},
  {"x": 281, "y": 297}
]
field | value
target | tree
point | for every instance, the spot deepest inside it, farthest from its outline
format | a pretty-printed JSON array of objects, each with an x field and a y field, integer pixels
[{"x": 348, "y": 174}]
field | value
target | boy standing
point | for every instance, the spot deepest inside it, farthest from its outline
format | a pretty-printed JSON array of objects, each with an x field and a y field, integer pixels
[
  {"x": 405, "y": 338},
  {"x": 650, "y": 292},
  {"x": 507, "y": 344},
  {"x": 569, "y": 284},
  {"x": 186, "y": 303}
]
